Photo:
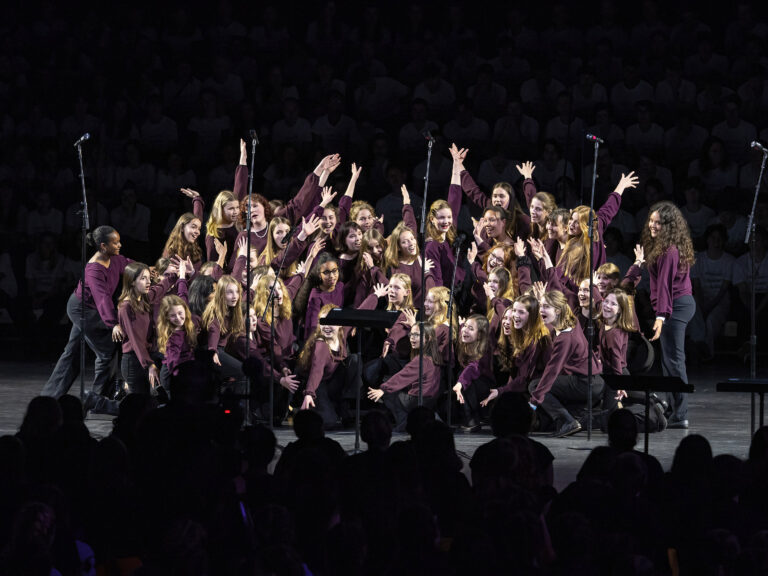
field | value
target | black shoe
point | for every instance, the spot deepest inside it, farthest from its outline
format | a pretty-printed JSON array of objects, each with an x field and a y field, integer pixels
[
  {"x": 655, "y": 398},
  {"x": 89, "y": 402},
  {"x": 470, "y": 427},
  {"x": 656, "y": 407},
  {"x": 567, "y": 429},
  {"x": 677, "y": 425}
]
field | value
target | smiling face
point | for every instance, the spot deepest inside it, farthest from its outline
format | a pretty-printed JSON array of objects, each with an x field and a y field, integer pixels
[
  {"x": 556, "y": 229},
  {"x": 654, "y": 224},
  {"x": 328, "y": 221},
  {"x": 176, "y": 316},
  {"x": 142, "y": 284},
  {"x": 112, "y": 246},
  {"x": 397, "y": 292},
  {"x": 230, "y": 211},
  {"x": 365, "y": 219},
  {"x": 353, "y": 241},
  {"x": 538, "y": 212},
  {"x": 429, "y": 304},
  {"x": 493, "y": 282},
  {"x": 496, "y": 258},
  {"x": 499, "y": 197},
  {"x": 442, "y": 220},
  {"x": 375, "y": 250},
  {"x": 549, "y": 313},
  {"x": 520, "y": 315},
  {"x": 583, "y": 293},
  {"x": 605, "y": 284},
  {"x": 279, "y": 234},
  {"x": 231, "y": 295},
  {"x": 408, "y": 246},
  {"x": 191, "y": 231},
  {"x": 507, "y": 321},
  {"x": 494, "y": 226},
  {"x": 469, "y": 331},
  {"x": 610, "y": 309},
  {"x": 328, "y": 331},
  {"x": 329, "y": 275}
]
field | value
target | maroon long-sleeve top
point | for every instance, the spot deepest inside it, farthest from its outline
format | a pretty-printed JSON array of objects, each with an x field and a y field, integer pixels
[
  {"x": 478, "y": 368},
  {"x": 612, "y": 346},
  {"x": 138, "y": 327},
  {"x": 483, "y": 201},
  {"x": 442, "y": 332},
  {"x": 324, "y": 360},
  {"x": 570, "y": 355},
  {"x": 318, "y": 299},
  {"x": 441, "y": 253},
  {"x": 178, "y": 351},
  {"x": 284, "y": 337},
  {"x": 669, "y": 281},
  {"x": 100, "y": 283},
  {"x": 528, "y": 366},
  {"x": 366, "y": 283},
  {"x": 216, "y": 337},
  {"x": 408, "y": 377},
  {"x": 398, "y": 337}
]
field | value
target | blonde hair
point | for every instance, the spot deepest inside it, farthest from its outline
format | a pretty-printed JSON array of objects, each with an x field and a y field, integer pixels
[
  {"x": 574, "y": 260},
  {"x": 432, "y": 230},
  {"x": 305, "y": 356},
  {"x": 625, "y": 318},
  {"x": 392, "y": 253},
  {"x": 408, "y": 301},
  {"x": 358, "y": 205},
  {"x": 609, "y": 270},
  {"x": 165, "y": 329},
  {"x": 216, "y": 219},
  {"x": 230, "y": 319},
  {"x": 549, "y": 204},
  {"x": 262, "y": 293},
  {"x": 565, "y": 319},
  {"x": 441, "y": 295}
]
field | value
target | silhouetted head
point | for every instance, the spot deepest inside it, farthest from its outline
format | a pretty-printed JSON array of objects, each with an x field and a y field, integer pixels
[
  {"x": 511, "y": 415},
  {"x": 376, "y": 431},
  {"x": 308, "y": 425},
  {"x": 622, "y": 430}
]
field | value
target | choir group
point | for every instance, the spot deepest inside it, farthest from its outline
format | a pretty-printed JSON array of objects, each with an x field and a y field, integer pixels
[{"x": 520, "y": 305}]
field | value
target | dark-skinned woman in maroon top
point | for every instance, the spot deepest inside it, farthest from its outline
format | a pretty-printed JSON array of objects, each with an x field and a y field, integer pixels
[
  {"x": 102, "y": 330},
  {"x": 564, "y": 381},
  {"x": 525, "y": 345},
  {"x": 668, "y": 250}
]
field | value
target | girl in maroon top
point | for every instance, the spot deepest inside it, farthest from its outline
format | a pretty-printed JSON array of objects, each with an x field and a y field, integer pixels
[
  {"x": 327, "y": 290},
  {"x": 525, "y": 345},
  {"x": 669, "y": 251},
  {"x": 401, "y": 392},
  {"x": 176, "y": 336},
  {"x": 261, "y": 214},
  {"x": 182, "y": 241},
  {"x": 370, "y": 265},
  {"x": 222, "y": 319},
  {"x": 436, "y": 312},
  {"x": 499, "y": 293},
  {"x": 331, "y": 372},
  {"x": 102, "y": 330},
  {"x": 497, "y": 256},
  {"x": 475, "y": 355},
  {"x": 134, "y": 311},
  {"x": 564, "y": 380},
  {"x": 348, "y": 251},
  {"x": 223, "y": 226},
  {"x": 540, "y": 204}
]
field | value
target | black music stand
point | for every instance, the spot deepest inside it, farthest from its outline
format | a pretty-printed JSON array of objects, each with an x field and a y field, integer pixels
[
  {"x": 754, "y": 386},
  {"x": 647, "y": 384},
  {"x": 360, "y": 319}
]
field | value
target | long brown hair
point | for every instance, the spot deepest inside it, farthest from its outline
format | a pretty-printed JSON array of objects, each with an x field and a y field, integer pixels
[
  {"x": 535, "y": 332},
  {"x": 230, "y": 319},
  {"x": 548, "y": 202},
  {"x": 305, "y": 357},
  {"x": 165, "y": 329},
  {"x": 369, "y": 237},
  {"x": 674, "y": 232},
  {"x": 574, "y": 259},
  {"x": 507, "y": 288},
  {"x": 625, "y": 319},
  {"x": 431, "y": 346},
  {"x": 177, "y": 244},
  {"x": 128, "y": 296}
]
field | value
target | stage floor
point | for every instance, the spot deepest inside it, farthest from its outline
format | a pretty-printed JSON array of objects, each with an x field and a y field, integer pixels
[{"x": 723, "y": 418}]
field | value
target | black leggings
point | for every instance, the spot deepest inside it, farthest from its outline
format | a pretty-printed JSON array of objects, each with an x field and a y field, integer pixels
[{"x": 343, "y": 385}]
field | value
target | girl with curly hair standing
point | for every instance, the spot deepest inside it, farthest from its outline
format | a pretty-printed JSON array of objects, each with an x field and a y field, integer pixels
[{"x": 669, "y": 254}]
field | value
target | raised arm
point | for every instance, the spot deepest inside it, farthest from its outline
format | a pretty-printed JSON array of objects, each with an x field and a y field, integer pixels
[
  {"x": 198, "y": 205},
  {"x": 241, "y": 173},
  {"x": 529, "y": 186},
  {"x": 409, "y": 218}
]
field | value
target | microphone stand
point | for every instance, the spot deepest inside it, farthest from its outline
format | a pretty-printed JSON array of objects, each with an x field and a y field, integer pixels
[
  {"x": 590, "y": 320},
  {"x": 271, "y": 302},
  {"x": 750, "y": 239},
  {"x": 450, "y": 334},
  {"x": 86, "y": 224},
  {"x": 254, "y": 142},
  {"x": 422, "y": 249}
]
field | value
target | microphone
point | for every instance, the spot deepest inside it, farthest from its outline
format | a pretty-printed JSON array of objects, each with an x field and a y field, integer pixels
[
  {"x": 82, "y": 139},
  {"x": 291, "y": 233},
  {"x": 427, "y": 135},
  {"x": 460, "y": 239},
  {"x": 254, "y": 137},
  {"x": 593, "y": 138},
  {"x": 757, "y": 146}
]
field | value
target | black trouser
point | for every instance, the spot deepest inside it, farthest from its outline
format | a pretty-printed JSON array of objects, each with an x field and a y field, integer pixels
[
  {"x": 98, "y": 337},
  {"x": 135, "y": 375},
  {"x": 379, "y": 368},
  {"x": 473, "y": 395},
  {"x": 568, "y": 390},
  {"x": 673, "y": 352},
  {"x": 344, "y": 384},
  {"x": 401, "y": 404}
]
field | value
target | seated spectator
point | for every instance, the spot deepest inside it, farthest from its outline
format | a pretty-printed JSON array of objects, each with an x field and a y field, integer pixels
[
  {"x": 715, "y": 168},
  {"x": 645, "y": 137},
  {"x": 411, "y": 140},
  {"x": 695, "y": 213},
  {"x": 292, "y": 129},
  {"x": 539, "y": 93},
  {"x": 466, "y": 130},
  {"x": 565, "y": 128},
  {"x": 335, "y": 131},
  {"x": 735, "y": 133},
  {"x": 631, "y": 90},
  {"x": 587, "y": 93},
  {"x": 44, "y": 218},
  {"x": 516, "y": 132},
  {"x": 711, "y": 275},
  {"x": 159, "y": 134},
  {"x": 488, "y": 98},
  {"x": 438, "y": 93},
  {"x": 683, "y": 142}
]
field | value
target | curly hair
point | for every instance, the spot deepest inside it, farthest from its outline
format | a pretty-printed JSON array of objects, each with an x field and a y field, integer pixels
[
  {"x": 674, "y": 233},
  {"x": 243, "y": 215}
]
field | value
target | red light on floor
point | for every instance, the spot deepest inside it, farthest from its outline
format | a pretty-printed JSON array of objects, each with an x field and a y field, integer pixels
[{"x": 227, "y": 412}]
